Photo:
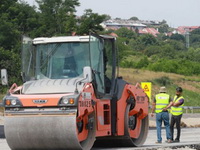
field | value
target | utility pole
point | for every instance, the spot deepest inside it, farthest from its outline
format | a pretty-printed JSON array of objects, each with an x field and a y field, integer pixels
[{"x": 187, "y": 38}]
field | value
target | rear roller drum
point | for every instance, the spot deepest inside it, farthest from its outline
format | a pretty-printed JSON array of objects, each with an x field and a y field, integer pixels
[{"x": 135, "y": 128}]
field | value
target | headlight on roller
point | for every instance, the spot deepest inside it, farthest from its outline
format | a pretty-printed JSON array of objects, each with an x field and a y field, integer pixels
[
  {"x": 71, "y": 100},
  {"x": 65, "y": 101},
  {"x": 11, "y": 101},
  {"x": 68, "y": 101}
]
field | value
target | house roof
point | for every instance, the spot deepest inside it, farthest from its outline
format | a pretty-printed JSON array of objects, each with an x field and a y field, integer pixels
[
  {"x": 152, "y": 31},
  {"x": 184, "y": 29}
]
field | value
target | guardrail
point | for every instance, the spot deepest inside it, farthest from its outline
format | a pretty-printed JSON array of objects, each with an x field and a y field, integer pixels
[
  {"x": 191, "y": 108},
  {"x": 188, "y": 109}
]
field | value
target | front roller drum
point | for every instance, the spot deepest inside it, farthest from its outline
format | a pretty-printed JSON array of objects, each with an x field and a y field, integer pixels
[{"x": 56, "y": 132}]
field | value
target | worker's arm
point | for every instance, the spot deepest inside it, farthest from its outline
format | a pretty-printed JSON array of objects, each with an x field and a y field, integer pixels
[
  {"x": 177, "y": 104},
  {"x": 153, "y": 109},
  {"x": 168, "y": 106}
]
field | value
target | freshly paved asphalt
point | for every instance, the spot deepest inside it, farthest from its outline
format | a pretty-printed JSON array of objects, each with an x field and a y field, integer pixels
[{"x": 189, "y": 136}]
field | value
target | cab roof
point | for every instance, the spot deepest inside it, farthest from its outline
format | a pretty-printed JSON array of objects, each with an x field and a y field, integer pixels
[{"x": 45, "y": 40}]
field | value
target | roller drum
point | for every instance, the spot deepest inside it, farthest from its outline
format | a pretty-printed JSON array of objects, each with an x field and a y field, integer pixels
[{"x": 43, "y": 132}]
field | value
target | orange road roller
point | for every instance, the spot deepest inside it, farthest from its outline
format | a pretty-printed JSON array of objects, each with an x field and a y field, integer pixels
[{"x": 72, "y": 97}]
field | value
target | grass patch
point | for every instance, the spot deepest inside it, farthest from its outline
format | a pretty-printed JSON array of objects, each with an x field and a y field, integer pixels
[
  {"x": 196, "y": 79},
  {"x": 191, "y": 98},
  {"x": 190, "y": 84}
]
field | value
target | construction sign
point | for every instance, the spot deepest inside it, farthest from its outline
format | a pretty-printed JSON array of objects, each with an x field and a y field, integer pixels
[{"x": 146, "y": 86}]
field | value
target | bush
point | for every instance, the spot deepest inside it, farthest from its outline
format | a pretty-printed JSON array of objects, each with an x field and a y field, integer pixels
[
  {"x": 142, "y": 63},
  {"x": 182, "y": 66},
  {"x": 12, "y": 62},
  {"x": 127, "y": 64},
  {"x": 163, "y": 81}
]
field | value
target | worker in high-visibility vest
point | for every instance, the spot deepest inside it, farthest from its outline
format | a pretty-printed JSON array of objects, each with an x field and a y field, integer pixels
[
  {"x": 161, "y": 101},
  {"x": 176, "y": 111}
]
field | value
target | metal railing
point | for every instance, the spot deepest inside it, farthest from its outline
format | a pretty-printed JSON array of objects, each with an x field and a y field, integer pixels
[{"x": 188, "y": 109}]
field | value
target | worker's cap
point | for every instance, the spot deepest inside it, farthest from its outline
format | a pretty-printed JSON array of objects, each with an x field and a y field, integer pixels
[
  {"x": 163, "y": 89},
  {"x": 179, "y": 89}
]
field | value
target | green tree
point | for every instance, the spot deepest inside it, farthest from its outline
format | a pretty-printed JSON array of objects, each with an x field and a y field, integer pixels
[
  {"x": 124, "y": 32},
  {"x": 195, "y": 38},
  {"x": 147, "y": 40},
  {"x": 134, "y": 18},
  {"x": 18, "y": 19},
  {"x": 196, "y": 31},
  {"x": 56, "y": 16},
  {"x": 142, "y": 63},
  {"x": 122, "y": 48},
  {"x": 9, "y": 33},
  {"x": 107, "y": 17},
  {"x": 5, "y": 5},
  {"x": 164, "y": 28},
  {"x": 177, "y": 37},
  {"x": 90, "y": 21},
  {"x": 152, "y": 50},
  {"x": 177, "y": 45},
  {"x": 10, "y": 61},
  {"x": 167, "y": 51}
]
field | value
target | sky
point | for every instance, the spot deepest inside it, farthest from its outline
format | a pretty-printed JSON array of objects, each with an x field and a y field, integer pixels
[{"x": 175, "y": 12}]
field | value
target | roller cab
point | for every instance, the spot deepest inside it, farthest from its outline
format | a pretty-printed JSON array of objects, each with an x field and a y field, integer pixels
[{"x": 71, "y": 97}]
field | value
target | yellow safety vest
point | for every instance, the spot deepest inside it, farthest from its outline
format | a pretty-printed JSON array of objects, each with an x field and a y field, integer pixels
[
  {"x": 162, "y": 100},
  {"x": 176, "y": 111}
]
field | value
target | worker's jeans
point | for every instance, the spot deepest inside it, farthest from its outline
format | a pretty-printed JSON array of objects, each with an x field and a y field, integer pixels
[
  {"x": 162, "y": 117},
  {"x": 176, "y": 120}
]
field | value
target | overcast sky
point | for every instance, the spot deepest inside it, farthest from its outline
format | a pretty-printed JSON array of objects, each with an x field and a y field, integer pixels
[{"x": 175, "y": 12}]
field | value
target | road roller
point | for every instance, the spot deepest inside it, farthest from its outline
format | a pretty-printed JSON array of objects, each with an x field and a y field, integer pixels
[{"x": 73, "y": 98}]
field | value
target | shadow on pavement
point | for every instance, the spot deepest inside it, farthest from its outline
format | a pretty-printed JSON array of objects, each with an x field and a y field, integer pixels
[{"x": 2, "y": 135}]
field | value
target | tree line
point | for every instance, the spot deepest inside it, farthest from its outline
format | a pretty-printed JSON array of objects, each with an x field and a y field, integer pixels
[
  {"x": 57, "y": 18},
  {"x": 51, "y": 18},
  {"x": 162, "y": 53}
]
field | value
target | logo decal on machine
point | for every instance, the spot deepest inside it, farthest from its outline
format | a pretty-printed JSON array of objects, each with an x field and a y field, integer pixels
[{"x": 39, "y": 101}]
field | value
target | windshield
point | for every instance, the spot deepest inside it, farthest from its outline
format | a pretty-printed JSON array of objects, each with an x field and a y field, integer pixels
[
  {"x": 61, "y": 60},
  {"x": 57, "y": 60}
]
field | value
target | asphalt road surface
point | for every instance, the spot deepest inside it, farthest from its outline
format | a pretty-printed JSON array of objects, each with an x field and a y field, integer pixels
[{"x": 189, "y": 136}]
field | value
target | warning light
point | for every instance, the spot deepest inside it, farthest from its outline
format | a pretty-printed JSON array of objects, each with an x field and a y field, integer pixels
[
  {"x": 8, "y": 102},
  {"x": 71, "y": 101}
]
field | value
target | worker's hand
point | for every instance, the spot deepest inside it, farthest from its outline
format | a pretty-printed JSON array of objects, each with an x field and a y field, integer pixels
[
  {"x": 152, "y": 114},
  {"x": 164, "y": 109}
]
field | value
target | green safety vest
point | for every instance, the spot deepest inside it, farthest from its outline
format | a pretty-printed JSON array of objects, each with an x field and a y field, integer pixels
[
  {"x": 176, "y": 111},
  {"x": 162, "y": 100}
]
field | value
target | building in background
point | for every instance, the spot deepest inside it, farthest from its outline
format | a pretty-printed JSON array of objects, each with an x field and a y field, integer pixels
[
  {"x": 185, "y": 29},
  {"x": 139, "y": 26}
]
